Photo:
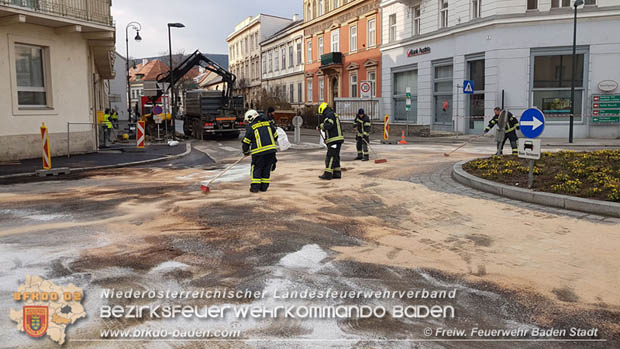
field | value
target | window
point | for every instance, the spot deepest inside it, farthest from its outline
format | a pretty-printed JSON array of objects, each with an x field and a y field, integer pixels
[
  {"x": 353, "y": 79},
  {"x": 590, "y": 2},
  {"x": 443, "y": 13},
  {"x": 264, "y": 63},
  {"x": 416, "y": 20},
  {"x": 476, "y": 72},
  {"x": 335, "y": 4},
  {"x": 353, "y": 38},
  {"x": 270, "y": 61},
  {"x": 291, "y": 55},
  {"x": 372, "y": 77},
  {"x": 276, "y": 61},
  {"x": 299, "y": 54},
  {"x": 309, "y": 90},
  {"x": 321, "y": 7},
  {"x": 321, "y": 89},
  {"x": 402, "y": 81},
  {"x": 560, "y": 3},
  {"x": 372, "y": 32},
  {"x": 283, "y": 57},
  {"x": 336, "y": 40},
  {"x": 532, "y": 4},
  {"x": 476, "y": 6},
  {"x": 552, "y": 78},
  {"x": 300, "y": 92},
  {"x": 309, "y": 51},
  {"x": 392, "y": 23},
  {"x": 309, "y": 12},
  {"x": 443, "y": 90},
  {"x": 30, "y": 76},
  {"x": 291, "y": 91},
  {"x": 321, "y": 46}
]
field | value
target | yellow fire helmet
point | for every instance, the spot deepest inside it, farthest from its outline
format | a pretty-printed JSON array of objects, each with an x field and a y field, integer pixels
[
  {"x": 250, "y": 116},
  {"x": 322, "y": 108}
]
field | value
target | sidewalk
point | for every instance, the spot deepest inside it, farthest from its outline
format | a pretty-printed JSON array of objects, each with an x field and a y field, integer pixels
[{"x": 111, "y": 157}]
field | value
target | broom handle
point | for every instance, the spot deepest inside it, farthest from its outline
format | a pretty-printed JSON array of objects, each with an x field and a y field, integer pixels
[
  {"x": 226, "y": 170},
  {"x": 466, "y": 143},
  {"x": 371, "y": 148}
]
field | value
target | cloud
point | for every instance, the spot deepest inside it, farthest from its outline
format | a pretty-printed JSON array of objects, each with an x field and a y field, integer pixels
[{"x": 208, "y": 22}]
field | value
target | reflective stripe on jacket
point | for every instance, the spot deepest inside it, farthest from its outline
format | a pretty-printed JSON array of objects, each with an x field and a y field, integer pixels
[{"x": 260, "y": 138}]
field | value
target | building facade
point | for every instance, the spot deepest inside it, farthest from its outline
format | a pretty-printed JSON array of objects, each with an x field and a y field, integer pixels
[
  {"x": 342, "y": 40},
  {"x": 518, "y": 54},
  {"x": 117, "y": 93},
  {"x": 282, "y": 64},
  {"x": 245, "y": 53},
  {"x": 54, "y": 66}
]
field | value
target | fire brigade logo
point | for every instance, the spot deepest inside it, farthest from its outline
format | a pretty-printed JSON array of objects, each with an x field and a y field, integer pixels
[{"x": 36, "y": 320}]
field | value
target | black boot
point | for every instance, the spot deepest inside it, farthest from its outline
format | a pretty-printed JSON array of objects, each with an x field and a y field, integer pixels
[
  {"x": 326, "y": 176},
  {"x": 337, "y": 175},
  {"x": 365, "y": 158},
  {"x": 359, "y": 157}
]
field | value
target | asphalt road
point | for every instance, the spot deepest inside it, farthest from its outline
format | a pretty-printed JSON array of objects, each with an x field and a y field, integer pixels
[{"x": 404, "y": 225}]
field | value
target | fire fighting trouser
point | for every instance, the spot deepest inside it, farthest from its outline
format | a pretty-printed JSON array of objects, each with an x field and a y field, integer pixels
[
  {"x": 514, "y": 140},
  {"x": 362, "y": 146},
  {"x": 260, "y": 171},
  {"x": 332, "y": 160}
]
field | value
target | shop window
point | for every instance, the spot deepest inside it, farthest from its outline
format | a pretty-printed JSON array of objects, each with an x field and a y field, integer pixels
[
  {"x": 402, "y": 81},
  {"x": 442, "y": 93},
  {"x": 476, "y": 72},
  {"x": 551, "y": 82}
]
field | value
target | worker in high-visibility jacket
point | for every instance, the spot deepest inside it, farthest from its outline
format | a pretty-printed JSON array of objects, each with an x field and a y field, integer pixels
[
  {"x": 107, "y": 127},
  {"x": 260, "y": 142},
  {"x": 334, "y": 140},
  {"x": 114, "y": 118},
  {"x": 362, "y": 125},
  {"x": 510, "y": 133}
]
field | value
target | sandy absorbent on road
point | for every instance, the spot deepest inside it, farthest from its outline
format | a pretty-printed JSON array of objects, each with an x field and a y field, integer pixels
[{"x": 568, "y": 262}]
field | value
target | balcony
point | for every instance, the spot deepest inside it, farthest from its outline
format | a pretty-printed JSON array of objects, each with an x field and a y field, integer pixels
[
  {"x": 91, "y": 11},
  {"x": 332, "y": 58}
]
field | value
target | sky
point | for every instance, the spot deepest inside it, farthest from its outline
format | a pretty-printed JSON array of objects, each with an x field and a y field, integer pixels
[{"x": 207, "y": 23}]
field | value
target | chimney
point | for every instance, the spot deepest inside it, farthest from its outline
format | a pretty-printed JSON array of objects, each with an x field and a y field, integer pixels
[
  {"x": 144, "y": 61},
  {"x": 296, "y": 17}
]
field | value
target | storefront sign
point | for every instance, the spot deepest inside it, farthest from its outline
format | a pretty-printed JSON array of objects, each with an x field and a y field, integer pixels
[
  {"x": 418, "y": 51},
  {"x": 608, "y": 85}
]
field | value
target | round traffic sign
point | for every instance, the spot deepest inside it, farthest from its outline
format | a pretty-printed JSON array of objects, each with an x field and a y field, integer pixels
[
  {"x": 365, "y": 86},
  {"x": 532, "y": 123},
  {"x": 157, "y": 110},
  {"x": 298, "y": 121}
]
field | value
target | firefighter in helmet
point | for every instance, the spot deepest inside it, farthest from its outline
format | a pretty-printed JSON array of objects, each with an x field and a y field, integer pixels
[
  {"x": 334, "y": 140},
  {"x": 362, "y": 125},
  {"x": 510, "y": 132},
  {"x": 260, "y": 142}
]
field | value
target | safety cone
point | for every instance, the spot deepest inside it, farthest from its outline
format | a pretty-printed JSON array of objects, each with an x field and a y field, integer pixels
[{"x": 402, "y": 138}]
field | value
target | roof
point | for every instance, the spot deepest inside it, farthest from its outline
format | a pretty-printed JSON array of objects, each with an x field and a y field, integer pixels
[
  {"x": 283, "y": 30},
  {"x": 150, "y": 70}
]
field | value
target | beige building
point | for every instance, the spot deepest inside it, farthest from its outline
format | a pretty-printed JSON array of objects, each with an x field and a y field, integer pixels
[
  {"x": 282, "y": 64},
  {"x": 245, "y": 53},
  {"x": 53, "y": 68}
]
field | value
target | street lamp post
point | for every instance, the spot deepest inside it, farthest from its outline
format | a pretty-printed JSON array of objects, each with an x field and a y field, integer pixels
[
  {"x": 174, "y": 101},
  {"x": 574, "y": 73},
  {"x": 137, "y": 27}
]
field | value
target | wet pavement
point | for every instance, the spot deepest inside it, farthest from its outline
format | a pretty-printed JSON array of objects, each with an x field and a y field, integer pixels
[{"x": 150, "y": 228}]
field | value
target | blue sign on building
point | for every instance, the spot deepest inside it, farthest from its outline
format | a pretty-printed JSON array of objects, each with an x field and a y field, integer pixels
[{"x": 468, "y": 87}]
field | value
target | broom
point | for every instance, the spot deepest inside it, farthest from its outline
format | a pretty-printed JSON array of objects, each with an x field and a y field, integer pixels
[
  {"x": 377, "y": 160},
  {"x": 462, "y": 145},
  {"x": 206, "y": 187}
]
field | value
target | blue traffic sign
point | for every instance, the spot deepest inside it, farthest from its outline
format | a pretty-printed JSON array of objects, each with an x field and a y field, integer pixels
[
  {"x": 468, "y": 87},
  {"x": 157, "y": 110},
  {"x": 532, "y": 123}
]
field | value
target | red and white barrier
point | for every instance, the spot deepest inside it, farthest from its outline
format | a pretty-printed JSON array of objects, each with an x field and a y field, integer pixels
[
  {"x": 140, "y": 134},
  {"x": 45, "y": 140}
]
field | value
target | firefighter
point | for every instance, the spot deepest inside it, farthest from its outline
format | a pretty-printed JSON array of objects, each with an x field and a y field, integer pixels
[
  {"x": 114, "y": 119},
  {"x": 510, "y": 133},
  {"x": 269, "y": 116},
  {"x": 260, "y": 142},
  {"x": 363, "y": 126},
  {"x": 334, "y": 140}
]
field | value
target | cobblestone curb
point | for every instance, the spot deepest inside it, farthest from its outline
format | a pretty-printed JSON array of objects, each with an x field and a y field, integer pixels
[{"x": 546, "y": 199}]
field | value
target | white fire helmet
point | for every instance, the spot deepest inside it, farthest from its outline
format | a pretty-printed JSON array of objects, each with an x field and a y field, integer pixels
[{"x": 250, "y": 116}]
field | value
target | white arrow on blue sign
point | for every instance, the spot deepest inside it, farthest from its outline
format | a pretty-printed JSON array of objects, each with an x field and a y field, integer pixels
[
  {"x": 468, "y": 87},
  {"x": 532, "y": 123}
]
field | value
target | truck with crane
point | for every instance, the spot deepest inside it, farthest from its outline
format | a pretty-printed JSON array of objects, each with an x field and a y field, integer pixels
[{"x": 207, "y": 113}]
